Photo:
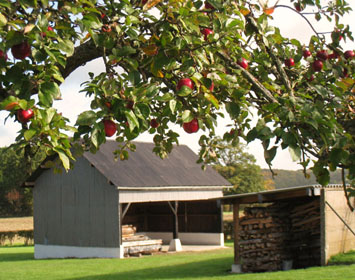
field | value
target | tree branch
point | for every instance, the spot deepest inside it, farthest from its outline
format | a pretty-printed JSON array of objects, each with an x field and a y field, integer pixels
[
  {"x": 263, "y": 90},
  {"x": 82, "y": 54}
]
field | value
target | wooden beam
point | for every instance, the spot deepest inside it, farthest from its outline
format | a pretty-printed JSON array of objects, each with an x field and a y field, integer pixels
[
  {"x": 174, "y": 209},
  {"x": 125, "y": 210},
  {"x": 120, "y": 223},
  {"x": 236, "y": 233},
  {"x": 219, "y": 216}
]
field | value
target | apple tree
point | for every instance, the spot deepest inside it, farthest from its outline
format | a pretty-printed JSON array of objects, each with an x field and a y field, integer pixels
[{"x": 182, "y": 62}]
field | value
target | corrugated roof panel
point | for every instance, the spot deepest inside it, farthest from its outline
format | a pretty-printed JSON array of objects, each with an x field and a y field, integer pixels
[{"x": 145, "y": 169}]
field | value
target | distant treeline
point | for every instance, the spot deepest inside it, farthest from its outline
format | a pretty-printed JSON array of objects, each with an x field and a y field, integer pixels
[{"x": 291, "y": 178}]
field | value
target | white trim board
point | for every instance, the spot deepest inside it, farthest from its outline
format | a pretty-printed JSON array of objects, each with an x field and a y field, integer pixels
[
  {"x": 60, "y": 252},
  {"x": 189, "y": 238}
]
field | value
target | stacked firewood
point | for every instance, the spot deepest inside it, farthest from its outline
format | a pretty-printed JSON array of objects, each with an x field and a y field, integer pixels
[
  {"x": 264, "y": 233},
  {"x": 138, "y": 244},
  {"x": 306, "y": 243}
]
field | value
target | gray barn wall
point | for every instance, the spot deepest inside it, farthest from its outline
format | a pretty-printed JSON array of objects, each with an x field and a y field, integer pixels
[{"x": 78, "y": 208}]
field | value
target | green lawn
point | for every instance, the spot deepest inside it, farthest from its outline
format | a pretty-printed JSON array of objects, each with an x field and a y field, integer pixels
[{"x": 18, "y": 263}]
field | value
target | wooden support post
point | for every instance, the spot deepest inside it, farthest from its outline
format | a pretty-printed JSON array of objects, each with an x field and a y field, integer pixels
[
  {"x": 219, "y": 216},
  {"x": 174, "y": 209},
  {"x": 176, "y": 222},
  {"x": 236, "y": 233},
  {"x": 236, "y": 267},
  {"x": 120, "y": 222}
]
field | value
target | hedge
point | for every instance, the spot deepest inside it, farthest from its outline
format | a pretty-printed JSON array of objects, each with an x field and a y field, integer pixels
[{"x": 27, "y": 235}]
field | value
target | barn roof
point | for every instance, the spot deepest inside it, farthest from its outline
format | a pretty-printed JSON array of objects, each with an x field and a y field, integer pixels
[
  {"x": 145, "y": 169},
  {"x": 278, "y": 194}
]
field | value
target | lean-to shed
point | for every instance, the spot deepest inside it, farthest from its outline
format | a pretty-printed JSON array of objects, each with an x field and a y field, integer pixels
[
  {"x": 293, "y": 227},
  {"x": 81, "y": 213}
]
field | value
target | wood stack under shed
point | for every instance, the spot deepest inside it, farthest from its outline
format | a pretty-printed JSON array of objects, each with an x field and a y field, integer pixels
[
  {"x": 280, "y": 234},
  {"x": 137, "y": 245},
  {"x": 263, "y": 238},
  {"x": 306, "y": 243}
]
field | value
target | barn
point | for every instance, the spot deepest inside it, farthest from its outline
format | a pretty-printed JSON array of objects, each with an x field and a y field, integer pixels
[
  {"x": 81, "y": 213},
  {"x": 295, "y": 227}
]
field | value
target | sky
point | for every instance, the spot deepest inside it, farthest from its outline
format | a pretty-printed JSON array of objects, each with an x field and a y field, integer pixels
[{"x": 73, "y": 103}]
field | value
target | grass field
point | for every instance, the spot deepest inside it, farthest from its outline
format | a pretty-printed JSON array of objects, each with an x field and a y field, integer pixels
[
  {"x": 12, "y": 224},
  {"x": 18, "y": 263}
]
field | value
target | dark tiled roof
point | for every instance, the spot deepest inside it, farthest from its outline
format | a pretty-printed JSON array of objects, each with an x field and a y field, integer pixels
[{"x": 145, "y": 169}]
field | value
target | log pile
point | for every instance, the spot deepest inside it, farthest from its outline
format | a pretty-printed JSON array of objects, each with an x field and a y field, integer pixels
[
  {"x": 263, "y": 238},
  {"x": 306, "y": 243},
  {"x": 137, "y": 245},
  {"x": 271, "y": 236}
]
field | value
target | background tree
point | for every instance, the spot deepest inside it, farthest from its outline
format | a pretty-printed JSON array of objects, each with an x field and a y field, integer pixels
[
  {"x": 239, "y": 168},
  {"x": 14, "y": 169},
  {"x": 181, "y": 62}
]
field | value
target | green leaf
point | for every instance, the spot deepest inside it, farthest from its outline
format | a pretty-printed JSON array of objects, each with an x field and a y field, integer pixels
[
  {"x": 187, "y": 116},
  {"x": 29, "y": 134},
  {"x": 86, "y": 118},
  {"x": 184, "y": 91},
  {"x": 211, "y": 98},
  {"x": 3, "y": 20},
  {"x": 63, "y": 157},
  {"x": 295, "y": 153},
  {"x": 233, "y": 110},
  {"x": 172, "y": 105},
  {"x": 125, "y": 51},
  {"x": 132, "y": 120},
  {"x": 66, "y": 46},
  {"x": 270, "y": 154},
  {"x": 166, "y": 97},
  {"x": 48, "y": 91}
]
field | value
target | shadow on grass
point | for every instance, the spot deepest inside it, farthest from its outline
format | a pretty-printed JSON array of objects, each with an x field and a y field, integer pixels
[
  {"x": 198, "y": 269},
  {"x": 15, "y": 257}
]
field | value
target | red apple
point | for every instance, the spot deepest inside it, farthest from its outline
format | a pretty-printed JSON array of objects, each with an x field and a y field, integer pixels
[
  {"x": 21, "y": 51},
  {"x": 337, "y": 36},
  {"x": 191, "y": 127},
  {"x": 322, "y": 55},
  {"x": 185, "y": 82},
  {"x": 307, "y": 53},
  {"x": 243, "y": 63},
  {"x": 154, "y": 123},
  {"x": 345, "y": 73},
  {"x": 211, "y": 86},
  {"x": 110, "y": 128},
  {"x": 299, "y": 7},
  {"x": 24, "y": 116},
  {"x": 333, "y": 55},
  {"x": 289, "y": 62},
  {"x": 208, "y": 6},
  {"x": 130, "y": 104},
  {"x": 206, "y": 32},
  {"x": 3, "y": 55},
  {"x": 317, "y": 65},
  {"x": 50, "y": 28},
  {"x": 349, "y": 54},
  {"x": 108, "y": 105},
  {"x": 310, "y": 78},
  {"x": 106, "y": 28}
]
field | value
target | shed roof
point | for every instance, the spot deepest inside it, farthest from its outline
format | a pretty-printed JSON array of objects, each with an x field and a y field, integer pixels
[
  {"x": 145, "y": 169},
  {"x": 278, "y": 194}
]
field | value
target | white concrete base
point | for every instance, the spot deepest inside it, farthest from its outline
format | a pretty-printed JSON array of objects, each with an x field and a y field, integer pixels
[
  {"x": 236, "y": 268},
  {"x": 60, "y": 252},
  {"x": 175, "y": 245},
  {"x": 189, "y": 238}
]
